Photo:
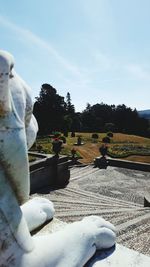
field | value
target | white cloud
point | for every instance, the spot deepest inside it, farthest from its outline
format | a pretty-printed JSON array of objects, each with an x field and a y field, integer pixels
[{"x": 35, "y": 39}]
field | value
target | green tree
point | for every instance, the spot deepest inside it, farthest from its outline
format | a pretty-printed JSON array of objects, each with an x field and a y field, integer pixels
[
  {"x": 70, "y": 118},
  {"x": 67, "y": 124},
  {"x": 70, "y": 109},
  {"x": 49, "y": 110},
  {"x": 102, "y": 117}
]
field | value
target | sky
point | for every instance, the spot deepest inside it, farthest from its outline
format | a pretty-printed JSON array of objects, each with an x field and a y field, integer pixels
[{"x": 97, "y": 50}]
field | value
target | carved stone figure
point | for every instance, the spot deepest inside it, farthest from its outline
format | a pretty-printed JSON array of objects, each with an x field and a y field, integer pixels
[{"x": 73, "y": 245}]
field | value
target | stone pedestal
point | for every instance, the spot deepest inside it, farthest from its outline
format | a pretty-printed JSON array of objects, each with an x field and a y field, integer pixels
[{"x": 118, "y": 256}]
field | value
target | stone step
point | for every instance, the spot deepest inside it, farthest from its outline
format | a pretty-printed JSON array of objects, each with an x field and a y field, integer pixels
[
  {"x": 90, "y": 201},
  {"x": 84, "y": 196},
  {"x": 136, "y": 221},
  {"x": 84, "y": 174},
  {"x": 75, "y": 203},
  {"x": 79, "y": 170},
  {"x": 94, "y": 212},
  {"x": 122, "y": 217},
  {"x": 137, "y": 238},
  {"x": 99, "y": 196}
]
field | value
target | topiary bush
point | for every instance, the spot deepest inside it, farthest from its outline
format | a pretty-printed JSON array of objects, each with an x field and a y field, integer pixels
[
  {"x": 106, "y": 139},
  {"x": 95, "y": 136},
  {"x": 110, "y": 134}
]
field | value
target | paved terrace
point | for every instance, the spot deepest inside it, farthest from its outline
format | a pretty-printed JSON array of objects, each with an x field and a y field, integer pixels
[{"x": 116, "y": 194}]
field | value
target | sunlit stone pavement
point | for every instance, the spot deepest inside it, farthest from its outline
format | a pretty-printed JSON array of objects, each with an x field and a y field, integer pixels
[{"x": 116, "y": 194}]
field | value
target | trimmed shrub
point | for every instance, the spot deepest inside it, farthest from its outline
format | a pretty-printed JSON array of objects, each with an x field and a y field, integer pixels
[
  {"x": 106, "y": 139},
  {"x": 95, "y": 136},
  {"x": 110, "y": 134}
]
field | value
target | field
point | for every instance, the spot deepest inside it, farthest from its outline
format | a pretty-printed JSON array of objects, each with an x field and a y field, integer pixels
[{"x": 128, "y": 147}]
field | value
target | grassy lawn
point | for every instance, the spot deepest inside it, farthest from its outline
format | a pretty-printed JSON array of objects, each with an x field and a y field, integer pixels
[{"x": 129, "y": 147}]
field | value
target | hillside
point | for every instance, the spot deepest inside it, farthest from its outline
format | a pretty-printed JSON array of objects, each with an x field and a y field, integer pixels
[{"x": 144, "y": 114}]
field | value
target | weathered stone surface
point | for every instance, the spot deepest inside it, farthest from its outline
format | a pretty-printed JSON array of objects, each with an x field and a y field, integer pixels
[
  {"x": 116, "y": 194},
  {"x": 45, "y": 172},
  {"x": 120, "y": 257},
  {"x": 117, "y": 256},
  {"x": 75, "y": 243}
]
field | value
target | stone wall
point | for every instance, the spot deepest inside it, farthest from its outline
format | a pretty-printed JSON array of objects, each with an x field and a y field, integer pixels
[
  {"x": 48, "y": 171},
  {"x": 124, "y": 164}
]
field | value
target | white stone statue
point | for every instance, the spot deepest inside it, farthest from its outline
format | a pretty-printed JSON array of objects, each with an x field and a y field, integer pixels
[{"x": 72, "y": 246}]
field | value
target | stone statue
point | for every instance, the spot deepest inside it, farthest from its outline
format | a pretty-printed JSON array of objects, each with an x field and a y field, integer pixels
[{"x": 72, "y": 246}]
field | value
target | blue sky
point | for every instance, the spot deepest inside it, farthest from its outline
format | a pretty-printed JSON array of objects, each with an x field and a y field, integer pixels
[{"x": 98, "y": 50}]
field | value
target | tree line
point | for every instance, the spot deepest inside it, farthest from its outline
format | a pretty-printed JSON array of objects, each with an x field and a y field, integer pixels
[{"x": 57, "y": 113}]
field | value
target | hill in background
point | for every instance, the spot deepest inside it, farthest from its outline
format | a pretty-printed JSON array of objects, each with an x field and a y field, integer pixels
[{"x": 144, "y": 114}]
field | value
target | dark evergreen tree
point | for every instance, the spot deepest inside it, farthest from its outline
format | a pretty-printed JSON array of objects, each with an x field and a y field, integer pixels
[
  {"x": 69, "y": 106},
  {"x": 49, "y": 110},
  {"x": 70, "y": 114},
  {"x": 67, "y": 124},
  {"x": 94, "y": 117},
  {"x": 100, "y": 117},
  {"x": 54, "y": 114}
]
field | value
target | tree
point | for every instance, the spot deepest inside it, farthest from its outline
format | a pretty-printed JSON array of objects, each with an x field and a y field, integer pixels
[
  {"x": 67, "y": 124},
  {"x": 102, "y": 117},
  {"x": 54, "y": 114},
  {"x": 69, "y": 106},
  {"x": 70, "y": 117},
  {"x": 94, "y": 117},
  {"x": 49, "y": 110}
]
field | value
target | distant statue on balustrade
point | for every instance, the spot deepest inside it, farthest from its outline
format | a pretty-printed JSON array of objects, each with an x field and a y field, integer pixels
[{"x": 72, "y": 246}]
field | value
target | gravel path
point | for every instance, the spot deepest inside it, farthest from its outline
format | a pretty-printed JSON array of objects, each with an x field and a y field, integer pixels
[{"x": 116, "y": 194}]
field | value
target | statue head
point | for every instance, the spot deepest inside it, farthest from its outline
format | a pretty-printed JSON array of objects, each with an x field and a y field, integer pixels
[{"x": 6, "y": 64}]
